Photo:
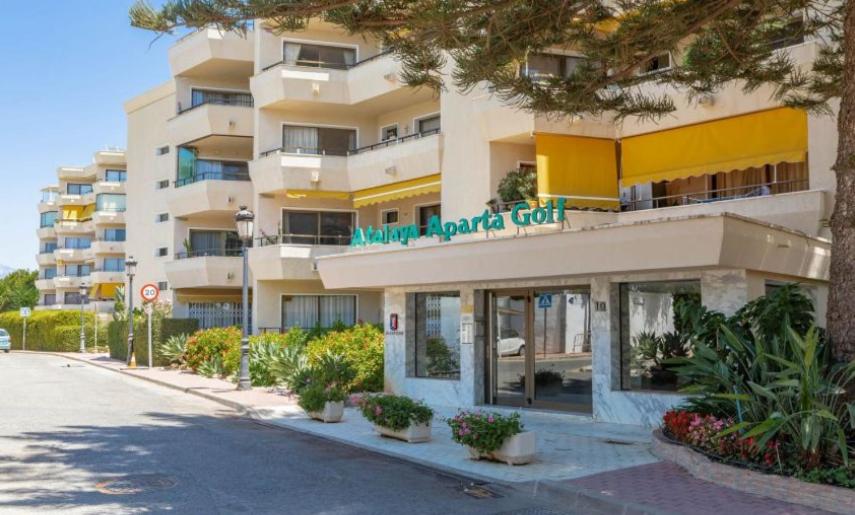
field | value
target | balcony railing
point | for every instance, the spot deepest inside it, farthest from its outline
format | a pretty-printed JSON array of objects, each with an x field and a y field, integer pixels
[
  {"x": 391, "y": 142},
  {"x": 303, "y": 239},
  {"x": 212, "y": 176},
  {"x": 325, "y": 64},
  {"x": 242, "y": 100},
  {"x": 290, "y": 149},
  {"x": 218, "y": 252},
  {"x": 716, "y": 195}
]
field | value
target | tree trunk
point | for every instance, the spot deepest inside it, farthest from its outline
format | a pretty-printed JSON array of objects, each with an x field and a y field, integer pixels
[{"x": 841, "y": 297}]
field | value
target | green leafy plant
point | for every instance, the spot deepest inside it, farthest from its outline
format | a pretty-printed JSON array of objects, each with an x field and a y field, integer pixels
[
  {"x": 325, "y": 380},
  {"x": 212, "y": 367},
  {"x": 440, "y": 360},
  {"x": 205, "y": 345},
  {"x": 173, "y": 350},
  {"x": 395, "y": 412},
  {"x": 518, "y": 185},
  {"x": 361, "y": 346},
  {"x": 485, "y": 432}
]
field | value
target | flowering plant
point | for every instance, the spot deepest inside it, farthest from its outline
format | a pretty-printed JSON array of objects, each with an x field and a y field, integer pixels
[
  {"x": 395, "y": 412},
  {"x": 484, "y": 431}
]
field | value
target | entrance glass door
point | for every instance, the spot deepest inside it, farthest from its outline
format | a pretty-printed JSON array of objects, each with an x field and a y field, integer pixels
[{"x": 541, "y": 349}]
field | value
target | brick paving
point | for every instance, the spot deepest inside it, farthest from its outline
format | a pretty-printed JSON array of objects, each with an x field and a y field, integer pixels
[{"x": 667, "y": 487}]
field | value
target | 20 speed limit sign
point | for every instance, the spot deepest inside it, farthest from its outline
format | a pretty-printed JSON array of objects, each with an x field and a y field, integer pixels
[{"x": 149, "y": 292}]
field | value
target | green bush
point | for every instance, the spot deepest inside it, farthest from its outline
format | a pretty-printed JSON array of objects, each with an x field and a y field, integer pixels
[
  {"x": 325, "y": 380},
  {"x": 170, "y": 327},
  {"x": 395, "y": 412},
  {"x": 485, "y": 432},
  {"x": 44, "y": 333},
  {"x": 213, "y": 344},
  {"x": 518, "y": 185},
  {"x": 361, "y": 346}
]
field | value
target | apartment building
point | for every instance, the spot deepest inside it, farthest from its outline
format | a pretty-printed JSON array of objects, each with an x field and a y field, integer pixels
[
  {"x": 82, "y": 235},
  {"x": 378, "y": 202}
]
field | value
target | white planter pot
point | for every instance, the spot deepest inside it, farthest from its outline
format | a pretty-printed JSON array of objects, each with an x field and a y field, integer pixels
[
  {"x": 414, "y": 433},
  {"x": 516, "y": 450},
  {"x": 333, "y": 411}
]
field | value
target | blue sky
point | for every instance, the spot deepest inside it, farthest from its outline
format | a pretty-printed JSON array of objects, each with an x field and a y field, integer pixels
[{"x": 69, "y": 65}]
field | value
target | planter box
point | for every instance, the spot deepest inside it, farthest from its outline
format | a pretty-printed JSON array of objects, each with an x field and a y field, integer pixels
[
  {"x": 517, "y": 450},
  {"x": 333, "y": 411},
  {"x": 414, "y": 433}
]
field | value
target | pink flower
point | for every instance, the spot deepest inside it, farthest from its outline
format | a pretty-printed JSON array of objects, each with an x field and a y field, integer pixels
[
  {"x": 378, "y": 410},
  {"x": 490, "y": 419}
]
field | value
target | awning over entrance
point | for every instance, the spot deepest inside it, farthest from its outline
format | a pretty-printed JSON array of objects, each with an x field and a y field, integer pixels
[
  {"x": 751, "y": 140},
  {"x": 398, "y": 190},
  {"x": 582, "y": 170}
]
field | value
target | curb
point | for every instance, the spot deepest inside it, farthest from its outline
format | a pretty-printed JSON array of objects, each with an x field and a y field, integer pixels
[{"x": 549, "y": 491}]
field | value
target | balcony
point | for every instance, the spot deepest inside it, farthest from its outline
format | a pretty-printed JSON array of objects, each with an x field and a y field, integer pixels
[
  {"x": 107, "y": 277},
  {"x": 109, "y": 158},
  {"x": 45, "y": 258},
  {"x": 277, "y": 172},
  {"x": 75, "y": 200},
  {"x": 70, "y": 281},
  {"x": 45, "y": 284},
  {"x": 108, "y": 187},
  {"x": 107, "y": 217},
  {"x": 210, "y": 193},
  {"x": 278, "y": 261},
  {"x": 213, "y": 53},
  {"x": 206, "y": 269},
  {"x": 45, "y": 233},
  {"x": 74, "y": 227},
  {"x": 74, "y": 173},
  {"x": 107, "y": 247},
  {"x": 47, "y": 205},
  {"x": 371, "y": 84},
  {"x": 402, "y": 159},
  {"x": 211, "y": 119},
  {"x": 70, "y": 254}
]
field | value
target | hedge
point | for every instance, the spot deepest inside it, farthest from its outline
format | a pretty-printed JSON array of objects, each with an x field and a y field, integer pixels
[
  {"x": 161, "y": 330},
  {"x": 57, "y": 331}
]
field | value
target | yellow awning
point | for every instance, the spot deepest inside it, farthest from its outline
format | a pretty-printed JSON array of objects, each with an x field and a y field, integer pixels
[
  {"x": 72, "y": 212},
  {"x": 398, "y": 190},
  {"x": 87, "y": 212},
  {"x": 105, "y": 290},
  {"x": 582, "y": 170},
  {"x": 751, "y": 140},
  {"x": 337, "y": 195}
]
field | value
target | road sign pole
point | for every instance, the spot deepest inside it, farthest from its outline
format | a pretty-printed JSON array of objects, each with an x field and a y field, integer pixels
[
  {"x": 148, "y": 312},
  {"x": 24, "y": 340}
]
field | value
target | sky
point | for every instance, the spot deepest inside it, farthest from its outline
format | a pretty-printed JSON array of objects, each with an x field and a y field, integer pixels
[{"x": 68, "y": 68}]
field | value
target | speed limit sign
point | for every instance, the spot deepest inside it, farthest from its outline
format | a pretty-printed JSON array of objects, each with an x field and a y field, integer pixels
[{"x": 149, "y": 292}]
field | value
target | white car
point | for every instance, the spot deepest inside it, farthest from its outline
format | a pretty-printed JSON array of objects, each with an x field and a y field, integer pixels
[
  {"x": 510, "y": 343},
  {"x": 5, "y": 340}
]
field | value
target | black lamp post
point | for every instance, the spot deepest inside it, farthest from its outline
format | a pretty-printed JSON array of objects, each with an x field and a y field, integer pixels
[
  {"x": 244, "y": 221},
  {"x": 130, "y": 268}
]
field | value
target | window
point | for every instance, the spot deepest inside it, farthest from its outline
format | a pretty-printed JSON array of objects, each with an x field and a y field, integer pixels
[
  {"x": 324, "y": 311},
  {"x": 48, "y": 247},
  {"x": 162, "y": 217},
  {"x": 437, "y": 335},
  {"x": 317, "y": 56},
  {"x": 215, "y": 314},
  {"x": 48, "y": 196},
  {"x": 162, "y": 150},
  {"x": 389, "y": 133},
  {"x": 317, "y": 227},
  {"x": 659, "y": 63},
  {"x": 48, "y": 218},
  {"x": 49, "y": 273},
  {"x": 210, "y": 170},
  {"x": 116, "y": 264},
  {"x": 110, "y": 202},
  {"x": 78, "y": 270},
  {"x": 230, "y": 98},
  {"x": 542, "y": 67},
  {"x": 162, "y": 285},
  {"x": 428, "y": 124},
  {"x": 213, "y": 243},
  {"x": 161, "y": 252},
  {"x": 78, "y": 243},
  {"x": 785, "y": 31},
  {"x": 49, "y": 299},
  {"x": 426, "y": 213},
  {"x": 114, "y": 234},
  {"x": 390, "y": 216},
  {"x": 318, "y": 140},
  {"x": 116, "y": 176},
  {"x": 78, "y": 189},
  {"x": 652, "y": 331},
  {"x": 162, "y": 185},
  {"x": 73, "y": 297}
]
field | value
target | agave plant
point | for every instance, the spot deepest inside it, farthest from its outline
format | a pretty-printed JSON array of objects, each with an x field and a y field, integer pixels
[
  {"x": 285, "y": 363},
  {"x": 212, "y": 367},
  {"x": 173, "y": 350}
]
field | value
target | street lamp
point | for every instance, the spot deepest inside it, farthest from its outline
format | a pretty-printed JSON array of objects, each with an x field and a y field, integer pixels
[
  {"x": 83, "y": 291},
  {"x": 244, "y": 220},
  {"x": 130, "y": 268}
]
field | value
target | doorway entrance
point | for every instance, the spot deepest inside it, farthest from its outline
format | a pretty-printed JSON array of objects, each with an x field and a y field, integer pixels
[{"x": 540, "y": 348}]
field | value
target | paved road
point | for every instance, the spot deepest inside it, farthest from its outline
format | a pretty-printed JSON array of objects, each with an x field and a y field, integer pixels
[{"x": 69, "y": 432}]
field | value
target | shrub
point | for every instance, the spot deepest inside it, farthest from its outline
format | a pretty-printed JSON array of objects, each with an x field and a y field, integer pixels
[
  {"x": 361, "y": 346},
  {"x": 173, "y": 350},
  {"x": 170, "y": 327},
  {"x": 395, "y": 412},
  {"x": 324, "y": 381},
  {"x": 518, "y": 185},
  {"x": 44, "y": 333},
  {"x": 209, "y": 344},
  {"x": 485, "y": 432}
]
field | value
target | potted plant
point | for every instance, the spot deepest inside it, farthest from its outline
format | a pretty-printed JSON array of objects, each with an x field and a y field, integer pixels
[
  {"x": 397, "y": 416},
  {"x": 321, "y": 387},
  {"x": 519, "y": 186},
  {"x": 494, "y": 436}
]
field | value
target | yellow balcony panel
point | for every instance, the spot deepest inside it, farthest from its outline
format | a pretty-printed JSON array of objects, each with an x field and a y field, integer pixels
[
  {"x": 279, "y": 173},
  {"x": 210, "y": 120},
  {"x": 205, "y": 272},
  {"x": 107, "y": 247},
  {"x": 209, "y": 197},
  {"x": 286, "y": 261},
  {"x": 210, "y": 53}
]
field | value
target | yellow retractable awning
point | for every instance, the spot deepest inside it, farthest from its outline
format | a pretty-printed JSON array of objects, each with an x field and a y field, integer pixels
[
  {"x": 746, "y": 141},
  {"x": 87, "y": 212},
  {"x": 398, "y": 190},
  {"x": 336, "y": 195},
  {"x": 72, "y": 212},
  {"x": 105, "y": 290},
  {"x": 579, "y": 169}
]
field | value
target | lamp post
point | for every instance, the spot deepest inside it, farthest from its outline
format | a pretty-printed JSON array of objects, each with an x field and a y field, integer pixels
[
  {"x": 83, "y": 291},
  {"x": 244, "y": 221},
  {"x": 130, "y": 268}
]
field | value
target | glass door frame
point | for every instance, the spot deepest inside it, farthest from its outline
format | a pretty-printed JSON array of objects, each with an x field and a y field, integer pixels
[{"x": 528, "y": 399}]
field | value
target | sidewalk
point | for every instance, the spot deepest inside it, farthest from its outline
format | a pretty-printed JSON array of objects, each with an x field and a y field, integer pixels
[{"x": 587, "y": 466}]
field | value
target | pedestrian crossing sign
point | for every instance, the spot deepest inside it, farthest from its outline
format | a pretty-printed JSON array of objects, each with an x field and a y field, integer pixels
[{"x": 544, "y": 301}]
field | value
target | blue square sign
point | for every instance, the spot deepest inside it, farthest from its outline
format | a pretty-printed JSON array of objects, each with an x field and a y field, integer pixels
[{"x": 544, "y": 301}]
